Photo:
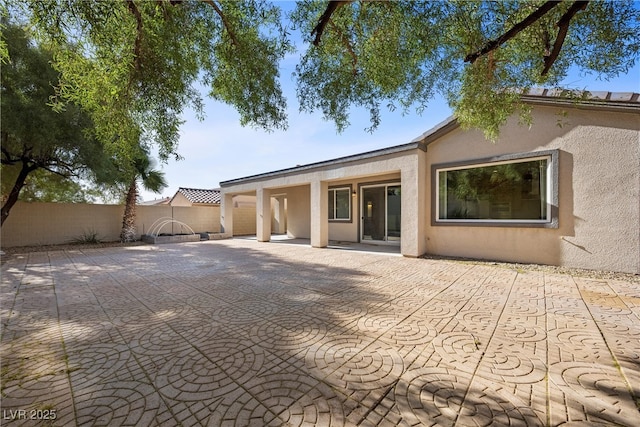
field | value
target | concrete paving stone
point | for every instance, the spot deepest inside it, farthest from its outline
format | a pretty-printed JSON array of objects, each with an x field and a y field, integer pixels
[{"x": 242, "y": 333}]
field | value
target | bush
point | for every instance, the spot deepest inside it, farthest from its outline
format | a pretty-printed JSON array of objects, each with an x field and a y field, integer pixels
[{"x": 87, "y": 236}]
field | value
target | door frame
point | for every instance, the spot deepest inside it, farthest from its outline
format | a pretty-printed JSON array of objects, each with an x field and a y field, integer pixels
[{"x": 361, "y": 211}]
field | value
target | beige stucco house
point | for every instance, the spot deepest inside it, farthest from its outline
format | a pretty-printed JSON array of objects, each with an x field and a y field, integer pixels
[{"x": 565, "y": 191}]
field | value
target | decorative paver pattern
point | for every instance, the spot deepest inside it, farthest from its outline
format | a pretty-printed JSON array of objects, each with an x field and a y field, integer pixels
[{"x": 241, "y": 333}]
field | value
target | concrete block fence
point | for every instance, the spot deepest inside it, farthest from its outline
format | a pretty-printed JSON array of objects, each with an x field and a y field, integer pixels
[{"x": 33, "y": 224}]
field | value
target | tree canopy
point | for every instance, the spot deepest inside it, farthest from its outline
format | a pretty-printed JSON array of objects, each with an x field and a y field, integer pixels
[
  {"x": 37, "y": 142},
  {"x": 477, "y": 54},
  {"x": 44, "y": 186},
  {"x": 133, "y": 65}
]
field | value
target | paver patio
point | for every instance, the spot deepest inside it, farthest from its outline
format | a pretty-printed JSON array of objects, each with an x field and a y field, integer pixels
[{"x": 242, "y": 333}]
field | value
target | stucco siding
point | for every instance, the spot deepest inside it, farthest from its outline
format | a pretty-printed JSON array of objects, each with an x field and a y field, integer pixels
[
  {"x": 603, "y": 230},
  {"x": 296, "y": 187},
  {"x": 244, "y": 221},
  {"x": 299, "y": 212},
  {"x": 33, "y": 224},
  {"x": 595, "y": 200},
  {"x": 414, "y": 204},
  {"x": 375, "y": 167},
  {"x": 55, "y": 223},
  {"x": 599, "y": 186},
  {"x": 180, "y": 200},
  {"x": 350, "y": 231}
]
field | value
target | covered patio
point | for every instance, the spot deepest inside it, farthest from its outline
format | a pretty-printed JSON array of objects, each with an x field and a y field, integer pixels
[{"x": 374, "y": 197}]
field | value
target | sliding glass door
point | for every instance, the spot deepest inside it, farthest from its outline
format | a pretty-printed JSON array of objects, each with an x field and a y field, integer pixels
[{"x": 381, "y": 213}]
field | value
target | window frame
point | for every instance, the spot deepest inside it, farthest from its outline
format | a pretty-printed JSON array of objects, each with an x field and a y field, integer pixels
[
  {"x": 334, "y": 189},
  {"x": 552, "y": 190}
]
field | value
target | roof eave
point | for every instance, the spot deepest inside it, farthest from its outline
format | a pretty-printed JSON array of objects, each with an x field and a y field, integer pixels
[
  {"x": 591, "y": 104},
  {"x": 438, "y": 131},
  {"x": 341, "y": 160}
]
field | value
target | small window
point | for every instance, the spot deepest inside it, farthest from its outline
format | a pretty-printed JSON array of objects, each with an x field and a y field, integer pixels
[
  {"x": 340, "y": 204},
  {"x": 516, "y": 191}
]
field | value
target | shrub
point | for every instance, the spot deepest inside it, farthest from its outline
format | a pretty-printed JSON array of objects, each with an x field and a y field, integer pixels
[{"x": 87, "y": 236}]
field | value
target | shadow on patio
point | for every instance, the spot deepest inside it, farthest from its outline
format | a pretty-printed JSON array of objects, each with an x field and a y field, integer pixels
[
  {"x": 240, "y": 333},
  {"x": 381, "y": 248}
]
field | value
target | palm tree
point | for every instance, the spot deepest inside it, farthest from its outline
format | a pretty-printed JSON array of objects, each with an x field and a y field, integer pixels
[{"x": 152, "y": 180}]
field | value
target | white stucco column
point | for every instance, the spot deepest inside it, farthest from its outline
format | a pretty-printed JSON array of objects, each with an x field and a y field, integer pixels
[
  {"x": 263, "y": 215},
  {"x": 279, "y": 215},
  {"x": 226, "y": 214},
  {"x": 413, "y": 240},
  {"x": 319, "y": 214}
]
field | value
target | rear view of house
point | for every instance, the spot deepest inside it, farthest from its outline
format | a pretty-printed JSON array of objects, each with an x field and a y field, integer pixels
[{"x": 565, "y": 191}]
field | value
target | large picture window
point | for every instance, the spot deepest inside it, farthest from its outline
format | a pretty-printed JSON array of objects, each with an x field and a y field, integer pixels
[
  {"x": 517, "y": 190},
  {"x": 340, "y": 204}
]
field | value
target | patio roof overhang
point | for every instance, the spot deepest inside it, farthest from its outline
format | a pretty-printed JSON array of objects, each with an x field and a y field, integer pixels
[{"x": 341, "y": 161}]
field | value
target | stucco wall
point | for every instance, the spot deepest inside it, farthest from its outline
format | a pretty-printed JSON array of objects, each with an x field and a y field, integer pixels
[
  {"x": 298, "y": 212},
  {"x": 599, "y": 192},
  {"x": 279, "y": 214},
  {"x": 296, "y": 186},
  {"x": 244, "y": 201},
  {"x": 350, "y": 231},
  {"x": 32, "y": 224},
  {"x": 179, "y": 200},
  {"x": 199, "y": 218},
  {"x": 244, "y": 221}
]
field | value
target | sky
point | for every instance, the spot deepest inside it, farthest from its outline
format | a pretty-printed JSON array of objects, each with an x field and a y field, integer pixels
[{"x": 219, "y": 149}]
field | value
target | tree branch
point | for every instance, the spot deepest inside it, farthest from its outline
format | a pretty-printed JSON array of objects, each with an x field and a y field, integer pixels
[
  {"x": 25, "y": 170},
  {"x": 137, "y": 47},
  {"x": 68, "y": 173},
  {"x": 11, "y": 159},
  {"x": 324, "y": 19},
  {"x": 225, "y": 22},
  {"x": 563, "y": 25},
  {"x": 7, "y": 158},
  {"x": 526, "y": 22},
  {"x": 347, "y": 43}
]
